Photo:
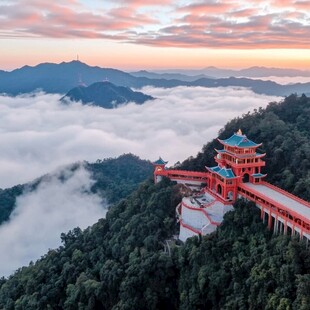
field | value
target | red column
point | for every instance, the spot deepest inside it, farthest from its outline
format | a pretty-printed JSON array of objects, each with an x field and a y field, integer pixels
[
  {"x": 269, "y": 220},
  {"x": 285, "y": 226},
  {"x": 293, "y": 227}
]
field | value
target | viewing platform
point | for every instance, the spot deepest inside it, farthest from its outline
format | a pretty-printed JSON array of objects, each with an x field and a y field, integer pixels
[{"x": 200, "y": 215}]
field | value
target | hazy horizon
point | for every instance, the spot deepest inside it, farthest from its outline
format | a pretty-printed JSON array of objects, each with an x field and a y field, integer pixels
[{"x": 153, "y": 69}]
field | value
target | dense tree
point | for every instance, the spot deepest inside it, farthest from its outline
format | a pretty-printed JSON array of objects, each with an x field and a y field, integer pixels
[
  {"x": 118, "y": 261},
  {"x": 243, "y": 266}
]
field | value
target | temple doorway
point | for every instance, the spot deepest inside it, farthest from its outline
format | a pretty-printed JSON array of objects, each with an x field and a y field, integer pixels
[
  {"x": 219, "y": 189},
  {"x": 246, "y": 178}
]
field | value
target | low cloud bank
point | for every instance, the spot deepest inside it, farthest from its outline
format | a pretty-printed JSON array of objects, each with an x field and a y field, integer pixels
[
  {"x": 284, "y": 80},
  {"x": 42, "y": 215}
]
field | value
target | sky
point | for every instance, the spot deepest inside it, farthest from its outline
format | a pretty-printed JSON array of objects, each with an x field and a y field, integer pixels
[{"x": 156, "y": 34}]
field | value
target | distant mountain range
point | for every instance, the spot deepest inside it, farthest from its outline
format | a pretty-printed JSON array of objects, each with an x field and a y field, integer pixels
[
  {"x": 252, "y": 72},
  {"x": 60, "y": 78},
  {"x": 170, "y": 76},
  {"x": 105, "y": 95}
]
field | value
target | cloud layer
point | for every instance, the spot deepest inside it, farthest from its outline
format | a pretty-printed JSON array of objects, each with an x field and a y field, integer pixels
[
  {"x": 41, "y": 216},
  {"x": 221, "y": 24},
  {"x": 38, "y": 134}
]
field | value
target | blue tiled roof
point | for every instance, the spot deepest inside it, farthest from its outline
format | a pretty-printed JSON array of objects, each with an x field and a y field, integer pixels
[
  {"x": 258, "y": 175},
  {"x": 240, "y": 155},
  {"x": 160, "y": 161},
  {"x": 224, "y": 172},
  {"x": 239, "y": 141}
]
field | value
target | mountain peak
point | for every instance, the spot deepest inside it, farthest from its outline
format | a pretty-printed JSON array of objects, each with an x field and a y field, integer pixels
[{"x": 105, "y": 94}]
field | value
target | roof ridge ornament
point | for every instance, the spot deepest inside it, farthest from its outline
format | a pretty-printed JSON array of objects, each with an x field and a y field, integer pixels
[{"x": 239, "y": 132}]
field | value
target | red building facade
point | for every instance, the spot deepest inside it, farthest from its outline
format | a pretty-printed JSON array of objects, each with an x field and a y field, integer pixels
[{"x": 237, "y": 162}]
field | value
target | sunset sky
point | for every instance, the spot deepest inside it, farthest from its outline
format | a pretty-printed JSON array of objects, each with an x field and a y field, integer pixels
[{"x": 156, "y": 34}]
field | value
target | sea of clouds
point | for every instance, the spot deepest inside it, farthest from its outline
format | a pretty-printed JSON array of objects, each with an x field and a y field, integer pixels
[{"x": 38, "y": 134}]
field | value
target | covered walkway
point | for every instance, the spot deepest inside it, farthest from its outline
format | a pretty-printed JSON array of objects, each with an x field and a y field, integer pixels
[{"x": 284, "y": 212}]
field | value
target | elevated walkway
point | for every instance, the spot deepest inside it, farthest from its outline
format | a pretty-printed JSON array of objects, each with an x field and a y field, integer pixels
[
  {"x": 279, "y": 205},
  {"x": 184, "y": 177}
]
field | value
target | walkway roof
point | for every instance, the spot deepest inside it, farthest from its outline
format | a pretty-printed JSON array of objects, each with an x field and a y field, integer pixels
[{"x": 292, "y": 204}]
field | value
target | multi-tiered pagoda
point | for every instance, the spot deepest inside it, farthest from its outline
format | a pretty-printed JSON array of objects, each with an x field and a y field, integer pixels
[{"x": 237, "y": 162}]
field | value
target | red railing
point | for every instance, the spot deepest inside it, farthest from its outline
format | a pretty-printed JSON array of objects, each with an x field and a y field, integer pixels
[
  {"x": 196, "y": 231},
  {"x": 183, "y": 175},
  {"x": 187, "y": 173},
  {"x": 216, "y": 197},
  {"x": 208, "y": 205}
]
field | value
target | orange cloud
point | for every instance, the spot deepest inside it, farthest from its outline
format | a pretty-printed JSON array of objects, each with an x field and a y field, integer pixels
[
  {"x": 143, "y": 3},
  {"x": 304, "y": 5},
  {"x": 207, "y": 8}
]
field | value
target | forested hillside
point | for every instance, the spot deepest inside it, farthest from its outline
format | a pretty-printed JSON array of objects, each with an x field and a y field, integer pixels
[
  {"x": 118, "y": 261},
  {"x": 114, "y": 178},
  {"x": 122, "y": 262}
]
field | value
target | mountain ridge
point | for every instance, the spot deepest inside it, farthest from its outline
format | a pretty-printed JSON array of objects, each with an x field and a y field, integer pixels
[
  {"x": 60, "y": 78},
  {"x": 254, "y": 72}
]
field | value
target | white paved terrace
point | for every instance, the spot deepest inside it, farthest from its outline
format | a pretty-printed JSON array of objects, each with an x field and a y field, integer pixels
[
  {"x": 288, "y": 202},
  {"x": 215, "y": 209}
]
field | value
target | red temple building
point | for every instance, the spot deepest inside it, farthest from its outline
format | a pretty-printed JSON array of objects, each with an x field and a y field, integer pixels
[
  {"x": 237, "y": 162},
  {"x": 237, "y": 174}
]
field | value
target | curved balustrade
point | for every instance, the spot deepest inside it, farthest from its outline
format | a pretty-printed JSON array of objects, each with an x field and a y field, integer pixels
[{"x": 194, "y": 230}]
